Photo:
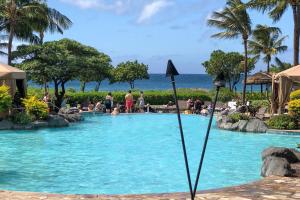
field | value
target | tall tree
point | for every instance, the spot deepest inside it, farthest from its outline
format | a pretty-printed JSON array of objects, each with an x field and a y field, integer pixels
[
  {"x": 266, "y": 41},
  {"x": 227, "y": 63},
  {"x": 276, "y": 9},
  {"x": 97, "y": 68},
  {"x": 129, "y": 72},
  {"x": 235, "y": 22},
  {"x": 21, "y": 18},
  {"x": 57, "y": 61},
  {"x": 279, "y": 66}
]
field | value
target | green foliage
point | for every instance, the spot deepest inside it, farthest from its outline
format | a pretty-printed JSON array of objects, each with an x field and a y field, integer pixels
[
  {"x": 153, "y": 97},
  {"x": 35, "y": 108},
  {"x": 227, "y": 63},
  {"x": 61, "y": 61},
  {"x": 235, "y": 117},
  {"x": 260, "y": 103},
  {"x": 283, "y": 122},
  {"x": 129, "y": 72},
  {"x": 295, "y": 95},
  {"x": 21, "y": 118},
  {"x": 294, "y": 108},
  {"x": 5, "y": 98},
  {"x": 266, "y": 41},
  {"x": 225, "y": 95},
  {"x": 256, "y": 96},
  {"x": 280, "y": 66}
]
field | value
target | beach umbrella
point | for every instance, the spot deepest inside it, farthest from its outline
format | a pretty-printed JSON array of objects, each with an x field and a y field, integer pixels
[
  {"x": 172, "y": 72},
  {"x": 218, "y": 82}
]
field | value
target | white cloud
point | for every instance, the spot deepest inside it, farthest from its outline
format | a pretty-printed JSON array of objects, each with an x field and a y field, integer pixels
[
  {"x": 152, "y": 9},
  {"x": 118, "y": 6}
]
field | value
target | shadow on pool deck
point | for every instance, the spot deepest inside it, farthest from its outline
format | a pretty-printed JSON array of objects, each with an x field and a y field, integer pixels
[{"x": 278, "y": 188}]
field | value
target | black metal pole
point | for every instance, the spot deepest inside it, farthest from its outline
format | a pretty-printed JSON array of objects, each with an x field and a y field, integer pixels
[
  {"x": 205, "y": 143},
  {"x": 182, "y": 138}
]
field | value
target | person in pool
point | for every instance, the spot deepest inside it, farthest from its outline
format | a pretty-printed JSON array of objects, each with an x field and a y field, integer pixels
[
  {"x": 129, "y": 101},
  {"x": 108, "y": 102},
  {"x": 115, "y": 112}
]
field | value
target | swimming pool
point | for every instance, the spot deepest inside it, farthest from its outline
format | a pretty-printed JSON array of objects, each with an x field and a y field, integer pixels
[{"x": 126, "y": 154}]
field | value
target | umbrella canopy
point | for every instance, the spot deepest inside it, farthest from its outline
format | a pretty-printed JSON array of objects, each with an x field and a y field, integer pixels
[
  {"x": 292, "y": 73},
  {"x": 9, "y": 72},
  {"x": 259, "y": 78}
]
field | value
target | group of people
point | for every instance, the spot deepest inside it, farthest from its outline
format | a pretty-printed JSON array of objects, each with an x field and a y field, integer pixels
[
  {"x": 197, "y": 107},
  {"x": 108, "y": 105}
]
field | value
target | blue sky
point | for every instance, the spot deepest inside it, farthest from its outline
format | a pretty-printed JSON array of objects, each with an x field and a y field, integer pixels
[{"x": 153, "y": 31}]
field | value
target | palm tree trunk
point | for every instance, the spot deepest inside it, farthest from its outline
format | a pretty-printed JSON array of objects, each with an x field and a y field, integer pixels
[
  {"x": 11, "y": 31},
  {"x": 296, "y": 14},
  {"x": 245, "y": 70},
  {"x": 268, "y": 64},
  {"x": 42, "y": 37}
]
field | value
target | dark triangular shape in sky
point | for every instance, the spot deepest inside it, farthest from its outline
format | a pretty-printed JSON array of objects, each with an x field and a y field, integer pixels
[{"x": 171, "y": 70}]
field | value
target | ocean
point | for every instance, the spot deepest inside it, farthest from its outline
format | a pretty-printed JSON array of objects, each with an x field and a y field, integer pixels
[{"x": 155, "y": 82}]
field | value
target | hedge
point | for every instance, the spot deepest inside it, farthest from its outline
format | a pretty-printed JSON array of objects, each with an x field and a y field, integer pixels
[
  {"x": 294, "y": 108},
  {"x": 283, "y": 122},
  {"x": 153, "y": 97}
]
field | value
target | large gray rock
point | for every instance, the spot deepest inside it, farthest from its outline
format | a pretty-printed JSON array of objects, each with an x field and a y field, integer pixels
[
  {"x": 6, "y": 125},
  {"x": 72, "y": 117},
  {"x": 68, "y": 111},
  {"x": 242, "y": 125},
  {"x": 275, "y": 166},
  {"x": 40, "y": 124},
  {"x": 57, "y": 121},
  {"x": 281, "y": 152},
  {"x": 256, "y": 126}
]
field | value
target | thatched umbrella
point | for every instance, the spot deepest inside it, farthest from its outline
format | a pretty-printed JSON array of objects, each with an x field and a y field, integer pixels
[{"x": 259, "y": 78}]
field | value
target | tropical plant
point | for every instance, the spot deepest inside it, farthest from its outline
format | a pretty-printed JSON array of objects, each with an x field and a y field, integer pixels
[
  {"x": 35, "y": 108},
  {"x": 283, "y": 122},
  {"x": 235, "y": 22},
  {"x": 235, "y": 117},
  {"x": 266, "y": 41},
  {"x": 5, "y": 98},
  {"x": 21, "y": 118},
  {"x": 276, "y": 9},
  {"x": 129, "y": 72},
  {"x": 21, "y": 18}
]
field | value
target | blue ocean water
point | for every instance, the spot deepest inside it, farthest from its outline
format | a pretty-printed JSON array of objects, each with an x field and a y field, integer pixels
[
  {"x": 156, "y": 82},
  {"x": 126, "y": 154}
]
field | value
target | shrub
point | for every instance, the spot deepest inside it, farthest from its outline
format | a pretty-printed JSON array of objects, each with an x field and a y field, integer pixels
[
  {"x": 21, "y": 118},
  {"x": 295, "y": 95},
  {"x": 256, "y": 96},
  {"x": 225, "y": 95},
  {"x": 285, "y": 122},
  {"x": 35, "y": 108},
  {"x": 5, "y": 99},
  {"x": 294, "y": 108},
  {"x": 235, "y": 117},
  {"x": 260, "y": 103},
  {"x": 153, "y": 97}
]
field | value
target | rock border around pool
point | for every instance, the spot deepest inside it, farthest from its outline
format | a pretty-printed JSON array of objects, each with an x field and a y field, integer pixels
[{"x": 53, "y": 121}]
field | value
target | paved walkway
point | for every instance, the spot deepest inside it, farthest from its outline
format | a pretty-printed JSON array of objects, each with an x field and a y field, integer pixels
[{"x": 277, "y": 188}]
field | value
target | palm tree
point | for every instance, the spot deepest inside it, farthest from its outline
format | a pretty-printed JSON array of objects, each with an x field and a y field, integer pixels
[
  {"x": 235, "y": 22},
  {"x": 276, "y": 9},
  {"x": 20, "y": 18},
  {"x": 267, "y": 41}
]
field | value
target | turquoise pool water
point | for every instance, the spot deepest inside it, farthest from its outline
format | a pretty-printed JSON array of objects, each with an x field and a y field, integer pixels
[{"x": 129, "y": 154}]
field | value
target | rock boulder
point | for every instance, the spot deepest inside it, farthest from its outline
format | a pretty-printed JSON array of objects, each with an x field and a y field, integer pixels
[
  {"x": 276, "y": 166},
  {"x": 6, "y": 125},
  {"x": 281, "y": 152},
  {"x": 57, "y": 121},
  {"x": 256, "y": 126}
]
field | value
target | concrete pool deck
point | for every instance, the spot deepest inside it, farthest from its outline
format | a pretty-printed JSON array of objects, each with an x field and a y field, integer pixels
[{"x": 278, "y": 188}]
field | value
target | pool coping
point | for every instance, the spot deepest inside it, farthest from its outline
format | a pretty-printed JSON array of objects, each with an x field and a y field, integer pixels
[{"x": 278, "y": 188}]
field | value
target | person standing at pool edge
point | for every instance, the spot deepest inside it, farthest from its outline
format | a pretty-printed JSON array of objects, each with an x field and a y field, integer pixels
[
  {"x": 129, "y": 101},
  {"x": 108, "y": 102},
  {"x": 141, "y": 102}
]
